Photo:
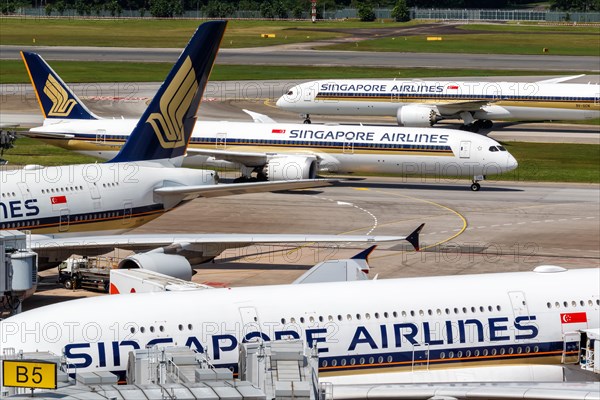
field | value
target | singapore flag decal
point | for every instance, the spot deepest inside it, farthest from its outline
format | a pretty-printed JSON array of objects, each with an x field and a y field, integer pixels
[
  {"x": 58, "y": 200},
  {"x": 573, "y": 318}
]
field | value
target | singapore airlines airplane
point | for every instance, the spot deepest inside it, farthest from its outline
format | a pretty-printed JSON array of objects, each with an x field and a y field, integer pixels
[
  {"x": 274, "y": 151},
  {"x": 67, "y": 207},
  {"x": 423, "y": 103},
  {"x": 387, "y": 326}
]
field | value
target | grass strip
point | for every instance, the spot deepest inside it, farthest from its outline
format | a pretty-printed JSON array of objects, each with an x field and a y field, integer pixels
[{"x": 13, "y": 71}]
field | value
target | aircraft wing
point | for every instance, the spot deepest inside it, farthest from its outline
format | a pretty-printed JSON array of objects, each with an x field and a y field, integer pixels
[
  {"x": 197, "y": 247},
  {"x": 561, "y": 79},
  {"x": 247, "y": 159},
  {"x": 456, "y": 106},
  {"x": 239, "y": 188}
]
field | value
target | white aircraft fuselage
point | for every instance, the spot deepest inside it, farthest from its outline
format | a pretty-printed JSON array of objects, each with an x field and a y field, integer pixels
[
  {"x": 422, "y": 103},
  {"x": 109, "y": 198},
  {"x": 377, "y": 326},
  {"x": 340, "y": 148}
]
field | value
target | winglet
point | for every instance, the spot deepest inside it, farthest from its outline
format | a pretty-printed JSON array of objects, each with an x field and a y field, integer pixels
[
  {"x": 164, "y": 130},
  {"x": 364, "y": 255},
  {"x": 413, "y": 238},
  {"x": 55, "y": 98}
]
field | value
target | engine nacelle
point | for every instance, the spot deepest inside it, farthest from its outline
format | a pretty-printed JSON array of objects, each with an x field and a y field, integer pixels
[
  {"x": 167, "y": 264},
  {"x": 289, "y": 168},
  {"x": 416, "y": 116}
]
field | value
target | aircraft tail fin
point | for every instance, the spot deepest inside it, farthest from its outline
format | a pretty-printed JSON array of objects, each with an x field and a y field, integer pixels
[
  {"x": 55, "y": 98},
  {"x": 164, "y": 130}
]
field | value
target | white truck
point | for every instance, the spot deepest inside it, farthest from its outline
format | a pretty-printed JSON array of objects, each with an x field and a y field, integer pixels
[{"x": 85, "y": 273}]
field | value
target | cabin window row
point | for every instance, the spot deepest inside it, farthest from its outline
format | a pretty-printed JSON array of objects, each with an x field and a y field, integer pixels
[
  {"x": 443, "y": 355},
  {"x": 394, "y": 314},
  {"x": 572, "y": 303},
  {"x": 8, "y": 195},
  {"x": 20, "y": 224},
  {"x": 62, "y": 189}
]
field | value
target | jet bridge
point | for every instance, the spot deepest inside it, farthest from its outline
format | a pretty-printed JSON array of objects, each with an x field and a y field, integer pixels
[{"x": 18, "y": 271}]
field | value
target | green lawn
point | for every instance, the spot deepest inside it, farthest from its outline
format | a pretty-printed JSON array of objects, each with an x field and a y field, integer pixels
[
  {"x": 485, "y": 43},
  {"x": 160, "y": 33},
  {"x": 538, "y": 162},
  {"x": 554, "y": 162},
  {"x": 13, "y": 71}
]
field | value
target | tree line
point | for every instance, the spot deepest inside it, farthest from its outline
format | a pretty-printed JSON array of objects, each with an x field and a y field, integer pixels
[{"x": 274, "y": 8}]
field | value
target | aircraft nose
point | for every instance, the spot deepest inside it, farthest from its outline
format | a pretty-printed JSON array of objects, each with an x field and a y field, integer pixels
[
  {"x": 511, "y": 163},
  {"x": 281, "y": 102}
]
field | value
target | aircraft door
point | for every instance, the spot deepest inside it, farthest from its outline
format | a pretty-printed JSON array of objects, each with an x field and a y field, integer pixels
[
  {"x": 127, "y": 211},
  {"x": 221, "y": 140},
  {"x": 251, "y": 329},
  {"x": 309, "y": 94},
  {"x": 64, "y": 219},
  {"x": 101, "y": 136},
  {"x": 420, "y": 357},
  {"x": 24, "y": 189},
  {"x": 571, "y": 347},
  {"x": 519, "y": 304},
  {"x": 465, "y": 149},
  {"x": 94, "y": 192},
  {"x": 348, "y": 148}
]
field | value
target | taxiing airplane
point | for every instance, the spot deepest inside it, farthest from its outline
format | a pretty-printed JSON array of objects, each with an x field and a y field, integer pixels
[
  {"x": 274, "y": 151},
  {"x": 82, "y": 208},
  {"x": 386, "y": 326},
  {"x": 423, "y": 103}
]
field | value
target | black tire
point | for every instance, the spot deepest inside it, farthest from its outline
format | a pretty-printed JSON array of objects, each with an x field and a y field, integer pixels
[
  {"x": 475, "y": 187},
  {"x": 487, "y": 124},
  {"x": 307, "y": 121},
  {"x": 68, "y": 284}
]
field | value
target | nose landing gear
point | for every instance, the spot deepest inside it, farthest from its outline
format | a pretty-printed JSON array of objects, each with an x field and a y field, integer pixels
[
  {"x": 476, "y": 186},
  {"x": 306, "y": 118}
]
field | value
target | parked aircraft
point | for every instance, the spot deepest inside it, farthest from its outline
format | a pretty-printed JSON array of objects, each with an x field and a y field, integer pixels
[
  {"x": 68, "y": 207},
  {"x": 274, "y": 151},
  {"x": 385, "y": 326},
  {"x": 423, "y": 103}
]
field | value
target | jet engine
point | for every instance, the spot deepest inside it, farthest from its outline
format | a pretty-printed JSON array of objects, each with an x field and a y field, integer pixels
[
  {"x": 167, "y": 264},
  {"x": 416, "y": 116},
  {"x": 289, "y": 168}
]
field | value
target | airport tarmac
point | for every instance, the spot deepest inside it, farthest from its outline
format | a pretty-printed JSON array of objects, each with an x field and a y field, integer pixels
[
  {"x": 507, "y": 226},
  {"x": 303, "y": 54}
]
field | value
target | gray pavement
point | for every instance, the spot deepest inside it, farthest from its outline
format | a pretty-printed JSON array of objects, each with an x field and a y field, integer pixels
[{"x": 284, "y": 55}]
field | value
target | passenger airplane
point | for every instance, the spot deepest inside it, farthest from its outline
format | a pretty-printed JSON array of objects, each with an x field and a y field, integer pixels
[
  {"x": 393, "y": 326},
  {"x": 67, "y": 207},
  {"x": 423, "y": 103},
  {"x": 276, "y": 151}
]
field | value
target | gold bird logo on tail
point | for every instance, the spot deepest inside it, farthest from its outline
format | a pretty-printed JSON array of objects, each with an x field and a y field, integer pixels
[
  {"x": 174, "y": 104},
  {"x": 61, "y": 104}
]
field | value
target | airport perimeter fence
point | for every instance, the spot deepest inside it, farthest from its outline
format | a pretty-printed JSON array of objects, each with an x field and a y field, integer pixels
[{"x": 465, "y": 15}]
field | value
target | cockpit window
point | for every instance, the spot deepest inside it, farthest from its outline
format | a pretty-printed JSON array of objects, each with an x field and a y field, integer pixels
[
  {"x": 291, "y": 92},
  {"x": 501, "y": 148},
  {"x": 493, "y": 148}
]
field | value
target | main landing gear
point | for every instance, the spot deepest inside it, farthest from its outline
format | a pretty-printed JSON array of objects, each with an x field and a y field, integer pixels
[
  {"x": 476, "y": 125},
  {"x": 476, "y": 186}
]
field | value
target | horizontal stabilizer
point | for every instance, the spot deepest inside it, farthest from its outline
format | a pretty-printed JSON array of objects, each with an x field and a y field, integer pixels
[{"x": 260, "y": 118}]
